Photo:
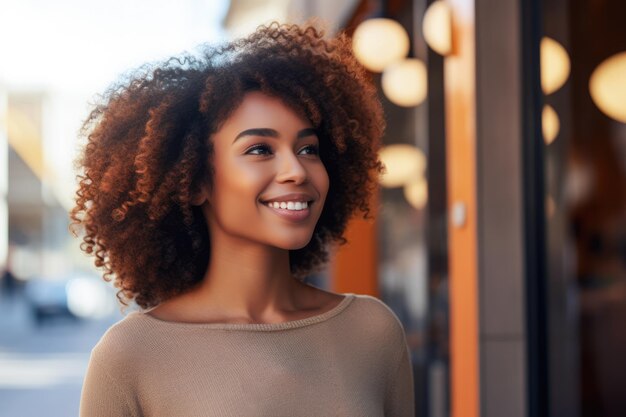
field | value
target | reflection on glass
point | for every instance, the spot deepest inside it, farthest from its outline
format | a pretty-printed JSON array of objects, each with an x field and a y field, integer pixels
[{"x": 587, "y": 228}]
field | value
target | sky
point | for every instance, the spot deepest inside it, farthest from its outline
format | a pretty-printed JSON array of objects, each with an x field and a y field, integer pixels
[{"x": 78, "y": 45}]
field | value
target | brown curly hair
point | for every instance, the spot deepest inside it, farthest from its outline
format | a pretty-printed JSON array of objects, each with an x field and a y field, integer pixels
[{"x": 148, "y": 152}]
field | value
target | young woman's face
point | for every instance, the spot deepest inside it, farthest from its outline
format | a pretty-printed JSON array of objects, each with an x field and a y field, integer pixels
[{"x": 269, "y": 183}]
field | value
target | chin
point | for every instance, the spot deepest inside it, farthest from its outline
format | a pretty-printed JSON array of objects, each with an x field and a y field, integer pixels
[{"x": 293, "y": 244}]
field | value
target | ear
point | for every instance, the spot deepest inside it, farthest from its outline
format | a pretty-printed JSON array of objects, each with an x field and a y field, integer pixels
[
  {"x": 197, "y": 200},
  {"x": 199, "y": 195}
]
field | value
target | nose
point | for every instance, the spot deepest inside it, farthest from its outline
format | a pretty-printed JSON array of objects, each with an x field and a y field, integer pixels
[{"x": 291, "y": 169}]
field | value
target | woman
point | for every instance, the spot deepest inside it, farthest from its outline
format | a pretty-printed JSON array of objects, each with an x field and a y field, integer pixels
[{"x": 212, "y": 186}]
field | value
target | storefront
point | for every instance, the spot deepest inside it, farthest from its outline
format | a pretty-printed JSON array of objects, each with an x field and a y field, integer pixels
[
  {"x": 504, "y": 252},
  {"x": 511, "y": 279}
]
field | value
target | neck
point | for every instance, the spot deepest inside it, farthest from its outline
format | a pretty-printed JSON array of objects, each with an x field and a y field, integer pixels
[{"x": 247, "y": 280}]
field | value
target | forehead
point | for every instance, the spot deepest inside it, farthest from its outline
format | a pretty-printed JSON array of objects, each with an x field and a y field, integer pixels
[{"x": 259, "y": 110}]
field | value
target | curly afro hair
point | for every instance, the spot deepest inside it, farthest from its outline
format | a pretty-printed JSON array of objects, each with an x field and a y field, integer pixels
[{"x": 148, "y": 150}]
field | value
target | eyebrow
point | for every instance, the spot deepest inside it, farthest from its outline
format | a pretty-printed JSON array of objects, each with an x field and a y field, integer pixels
[{"x": 271, "y": 133}]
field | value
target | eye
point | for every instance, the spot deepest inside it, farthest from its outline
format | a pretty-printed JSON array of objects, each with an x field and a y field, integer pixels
[
  {"x": 311, "y": 150},
  {"x": 259, "y": 149}
]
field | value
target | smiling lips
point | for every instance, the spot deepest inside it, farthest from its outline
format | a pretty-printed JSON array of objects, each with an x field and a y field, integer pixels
[
  {"x": 289, "y": 205},
  {"x": 293, "y": 207}
]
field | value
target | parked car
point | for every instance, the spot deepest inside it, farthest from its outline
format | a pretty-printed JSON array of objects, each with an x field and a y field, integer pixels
[
  {"x": 47, "y": 299},
  {"x": 74, "y": 296}
]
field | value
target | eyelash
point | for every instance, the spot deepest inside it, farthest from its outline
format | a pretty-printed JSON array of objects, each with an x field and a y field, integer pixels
[{"x": 315, "y": 148}]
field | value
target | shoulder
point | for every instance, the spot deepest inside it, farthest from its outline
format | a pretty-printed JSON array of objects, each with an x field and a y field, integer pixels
[
  {"x": 122, "y": 345},
  {"x": 111, "y": 379},
  {"x": 377, "y": 316},
  {"x": 376, "y": 309}
]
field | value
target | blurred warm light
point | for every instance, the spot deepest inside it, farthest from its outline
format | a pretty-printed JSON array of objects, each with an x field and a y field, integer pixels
[
  {"x": 437, "y": 27},
  {"x": 550, "y": 206},
  {"x": 555, "y": 65},
  {"x": 405, "y": 82},
  {"x": 550, "y": 124},
  {"x": 244, "y": 17},
  {"x": 25, "y": 140},
  {"x": 403, "y": 163},
  {"x": 416, "y": 193},
  {"x": 607, "y": 86},
  {"x": 380, "y": 42}
]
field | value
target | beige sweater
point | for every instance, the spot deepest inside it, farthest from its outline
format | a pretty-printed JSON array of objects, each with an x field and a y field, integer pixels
[{"x": 350, "y": 361}]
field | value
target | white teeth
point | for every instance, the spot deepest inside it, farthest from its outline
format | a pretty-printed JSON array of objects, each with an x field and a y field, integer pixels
[{"x": 291, "y": 205}]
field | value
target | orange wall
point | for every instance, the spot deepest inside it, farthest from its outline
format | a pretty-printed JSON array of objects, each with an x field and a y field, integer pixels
[
  {"x": 460, "y": 96},
  {"x": 355, "y": 266}
]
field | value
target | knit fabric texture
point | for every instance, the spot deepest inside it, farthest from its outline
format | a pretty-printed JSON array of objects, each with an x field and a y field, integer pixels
[{"x": 352, "y": 360}]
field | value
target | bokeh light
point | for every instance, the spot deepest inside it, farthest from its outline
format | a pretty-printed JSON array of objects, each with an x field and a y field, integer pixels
[
  {"x": 404, "y": 163},
  {"x": 550, "y": 124},
  {"x": 405, "y": 82},
  {"x": 380, "y": 42},
  {"x": 555, "y": 65},
  {"x": 437, "y": 27},
  {"x": 607, "y": 87}
]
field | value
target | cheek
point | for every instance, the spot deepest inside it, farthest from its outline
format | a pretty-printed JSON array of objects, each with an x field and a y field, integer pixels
[
  {"x": 236, "y": 185},
  {"x": 242, "y": 186},
  {"x": 235, "y": 207}
]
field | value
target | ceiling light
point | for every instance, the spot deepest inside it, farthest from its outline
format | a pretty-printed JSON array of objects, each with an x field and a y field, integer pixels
[{"x": 379, "y": 42}]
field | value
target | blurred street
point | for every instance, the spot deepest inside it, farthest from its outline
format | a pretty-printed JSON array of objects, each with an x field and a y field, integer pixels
[
  {"x": 496, "y": 234},
  {"x": 42, "y": 366}
]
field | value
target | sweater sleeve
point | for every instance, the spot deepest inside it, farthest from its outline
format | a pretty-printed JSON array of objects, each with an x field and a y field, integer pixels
[
  {"x": 400, "y": 396},
  {"x": 103, "y": 396}
]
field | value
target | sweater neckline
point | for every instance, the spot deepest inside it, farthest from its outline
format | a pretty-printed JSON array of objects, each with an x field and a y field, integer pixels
[{"x": 293, "y": 324}]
